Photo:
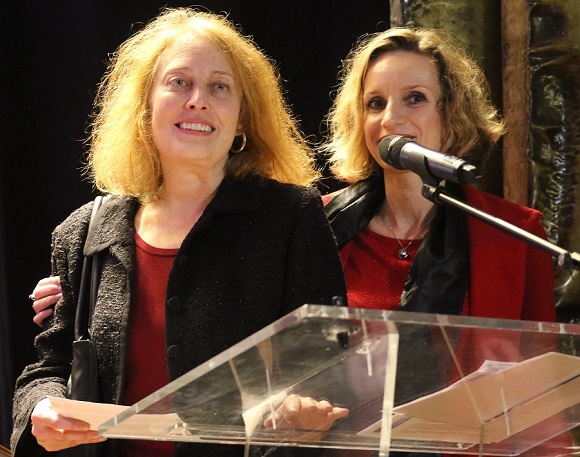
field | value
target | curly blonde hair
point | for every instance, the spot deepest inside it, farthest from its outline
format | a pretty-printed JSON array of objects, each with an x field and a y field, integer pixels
[
  {"x": 472, "y": 124},
  {"x": 122, "y": 156}
]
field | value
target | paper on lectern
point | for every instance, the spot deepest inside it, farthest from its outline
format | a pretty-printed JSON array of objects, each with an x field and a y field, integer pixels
[{"x": 493, "y": 403}]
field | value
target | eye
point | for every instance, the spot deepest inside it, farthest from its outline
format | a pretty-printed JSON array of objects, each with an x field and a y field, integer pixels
[
  {"x": 375, "y": 103},
  {"x": 415, "y": 98},
  {"x": 178, "y": 82},
  {"x": 221, "y": 87}
]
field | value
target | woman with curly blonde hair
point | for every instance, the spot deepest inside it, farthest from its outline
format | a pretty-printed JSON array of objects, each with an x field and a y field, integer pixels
[
  {"x": 399, "y": 250},
  {"x": 210, "y": 234},
  {"x": 123, "y": 157}
]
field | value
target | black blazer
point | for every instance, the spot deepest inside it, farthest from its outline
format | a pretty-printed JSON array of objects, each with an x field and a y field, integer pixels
[{"x": 260, "y": 250}]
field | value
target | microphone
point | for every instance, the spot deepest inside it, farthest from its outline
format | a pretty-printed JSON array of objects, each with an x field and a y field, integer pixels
[{"x": 404, "y": 154}]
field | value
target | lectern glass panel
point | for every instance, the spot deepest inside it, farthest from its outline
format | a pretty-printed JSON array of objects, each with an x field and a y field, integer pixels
[{"x": 411, "y": 382}]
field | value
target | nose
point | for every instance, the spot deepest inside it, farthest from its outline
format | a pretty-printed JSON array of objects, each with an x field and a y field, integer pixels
[
  {"x": 197, "y": 99},
  {"x": 393, "y": 116}
]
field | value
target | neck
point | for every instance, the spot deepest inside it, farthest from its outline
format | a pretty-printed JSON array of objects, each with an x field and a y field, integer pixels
[
  {"x": 165, "y": 222},
  {"x": 405, "y": 213},
  {"x": 190, "y": 188}
]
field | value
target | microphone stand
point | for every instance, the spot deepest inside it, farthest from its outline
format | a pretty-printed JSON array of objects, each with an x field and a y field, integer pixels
[{"x": 437, "y": 194}]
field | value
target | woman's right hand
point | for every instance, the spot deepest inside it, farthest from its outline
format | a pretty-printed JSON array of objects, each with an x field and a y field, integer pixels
[
  {"x": 46, "y": 293},
  {"x": 55, "y": 432},
  {"x": 304, "y": 413}
]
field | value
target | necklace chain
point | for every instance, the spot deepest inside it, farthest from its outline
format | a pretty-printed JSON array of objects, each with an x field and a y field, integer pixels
[{"x": 403, "y": 252}]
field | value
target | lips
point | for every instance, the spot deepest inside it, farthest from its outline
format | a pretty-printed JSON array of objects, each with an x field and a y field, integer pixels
[{"x": 397, "y": 134}]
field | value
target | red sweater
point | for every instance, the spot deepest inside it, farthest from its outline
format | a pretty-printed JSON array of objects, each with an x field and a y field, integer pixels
[{"x": 146, "y": 343}]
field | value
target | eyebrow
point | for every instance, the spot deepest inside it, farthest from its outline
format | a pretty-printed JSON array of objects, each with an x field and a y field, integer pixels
[
  {"x": 224, "y": 73},
  {"x": 417, "y": 86},
  {"x": 185, "y": 69},
  {"x": 404, "y": 89}
]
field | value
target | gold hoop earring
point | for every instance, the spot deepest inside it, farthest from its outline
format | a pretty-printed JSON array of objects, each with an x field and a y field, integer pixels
[{"x": 241, "y": 148}]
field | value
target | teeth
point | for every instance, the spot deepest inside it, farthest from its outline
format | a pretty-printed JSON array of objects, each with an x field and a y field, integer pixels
[{"x": 195, "y": 126}]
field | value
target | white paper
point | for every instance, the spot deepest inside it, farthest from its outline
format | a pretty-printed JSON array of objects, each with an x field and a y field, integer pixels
[
  {"x": 93, "y": 413},
  {"x": 500, "y": 398}
]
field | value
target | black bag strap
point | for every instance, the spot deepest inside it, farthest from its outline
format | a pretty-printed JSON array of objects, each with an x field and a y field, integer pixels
[{"x": 90, "y": 277}]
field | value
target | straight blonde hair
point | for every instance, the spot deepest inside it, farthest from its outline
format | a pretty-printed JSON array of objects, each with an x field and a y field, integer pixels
[{"x": 472, "y": 123}]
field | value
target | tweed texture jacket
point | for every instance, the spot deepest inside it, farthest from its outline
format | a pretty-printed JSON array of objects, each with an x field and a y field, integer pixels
[{"x": 260, "y": 250}]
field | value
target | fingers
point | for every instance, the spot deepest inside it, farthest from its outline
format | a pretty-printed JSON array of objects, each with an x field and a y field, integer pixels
[
  {"x": 47, "y": 287},
  {"x": 39, "y": 318},
  {"x": 46, "y": 301},
  {"x": 55, "y": 432},
  {"x": 50, "y": 281},
  {"x": 338, "y": 413},
  {"x": 296, "y": 404},
  {"x": 46, "y": 293},
  {"x": 58, "y": 439},
  {"x": 305, "y": 413}
]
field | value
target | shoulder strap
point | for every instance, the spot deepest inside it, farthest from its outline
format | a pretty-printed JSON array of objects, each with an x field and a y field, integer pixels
[{"x": 90, "y": 277}]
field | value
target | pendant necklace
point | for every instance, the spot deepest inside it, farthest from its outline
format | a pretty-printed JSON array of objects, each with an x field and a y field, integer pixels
[{"x": 403, "y": 252}]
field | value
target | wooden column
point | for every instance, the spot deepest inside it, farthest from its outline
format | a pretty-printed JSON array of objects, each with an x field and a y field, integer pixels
[{"x": 516, "y": 99}]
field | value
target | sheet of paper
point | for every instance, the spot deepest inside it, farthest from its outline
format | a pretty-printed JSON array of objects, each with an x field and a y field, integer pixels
[
  {"x": 495, "y": 402},
  {"x": 147, "y": 426},
  {"x": 93, "y": 413},
  {"x": 480, "y": 397}
]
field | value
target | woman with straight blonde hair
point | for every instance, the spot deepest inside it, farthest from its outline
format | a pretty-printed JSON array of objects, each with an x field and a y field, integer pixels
[{"x": 399, "y": 250}]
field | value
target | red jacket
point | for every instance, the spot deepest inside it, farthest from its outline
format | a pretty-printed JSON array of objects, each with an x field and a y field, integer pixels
[
  {"x": 509, "y": 278},
  {"x": 505, "y": 270}
]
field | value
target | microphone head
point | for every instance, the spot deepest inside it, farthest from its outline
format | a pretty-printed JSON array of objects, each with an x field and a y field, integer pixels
[
  {"x": 430, "y": 165},
  {"x": 390, "y": 149}
]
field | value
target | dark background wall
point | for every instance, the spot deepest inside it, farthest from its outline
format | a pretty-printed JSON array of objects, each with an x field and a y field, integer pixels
[{"x": 52, "y": 56}]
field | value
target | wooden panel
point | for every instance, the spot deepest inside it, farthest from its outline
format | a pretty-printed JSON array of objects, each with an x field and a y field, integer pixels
[{"x": 516, "y": 100}]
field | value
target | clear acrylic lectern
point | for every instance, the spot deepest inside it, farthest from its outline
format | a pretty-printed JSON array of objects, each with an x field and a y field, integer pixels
[{"x": 411, "y": 382}]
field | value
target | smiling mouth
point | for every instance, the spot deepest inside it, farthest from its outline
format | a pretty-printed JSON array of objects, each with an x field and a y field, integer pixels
[
  {"x": 195, "y": 126},
  {"x": 404, "y": 136}
]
